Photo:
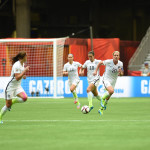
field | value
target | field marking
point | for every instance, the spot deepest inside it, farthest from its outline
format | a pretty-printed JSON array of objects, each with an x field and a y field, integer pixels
[{"x": 77, "y": 120}]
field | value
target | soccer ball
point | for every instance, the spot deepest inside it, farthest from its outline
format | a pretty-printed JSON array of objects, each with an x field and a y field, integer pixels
[{"x": 85, "y": 109}]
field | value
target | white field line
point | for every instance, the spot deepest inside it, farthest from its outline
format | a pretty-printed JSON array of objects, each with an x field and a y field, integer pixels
[{"x": 77, "y": 120}]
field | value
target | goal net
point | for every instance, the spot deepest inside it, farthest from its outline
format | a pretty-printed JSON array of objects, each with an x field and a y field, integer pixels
[{"x": 45, "y": 58}]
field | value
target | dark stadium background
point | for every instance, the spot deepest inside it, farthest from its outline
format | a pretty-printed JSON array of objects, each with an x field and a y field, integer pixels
[{"x": 124, "y": 19}]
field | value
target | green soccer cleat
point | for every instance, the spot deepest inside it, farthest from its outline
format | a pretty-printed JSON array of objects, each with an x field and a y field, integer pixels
[
  {"x": 105, "y": 106},
  {"x": 91, "y": 107},
  {"x": 100, "y": 111},
  {"x": 103, "y": 103}
]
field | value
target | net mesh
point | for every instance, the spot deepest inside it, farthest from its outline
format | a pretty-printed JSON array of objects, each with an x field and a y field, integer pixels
[{"x": 41, "y": 62}]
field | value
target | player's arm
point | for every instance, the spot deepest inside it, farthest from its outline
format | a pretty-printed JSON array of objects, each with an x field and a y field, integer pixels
[
  {"x": 65, "y": 72},
  {"x": 19, "y": 76},
  {"x": 81, "y": 71},
  {"x": 99, "y": 64},
  {"x": 121, "y": 71}
]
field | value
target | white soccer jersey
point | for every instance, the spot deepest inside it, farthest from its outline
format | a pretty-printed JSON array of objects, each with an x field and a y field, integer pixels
[
  {"x": 13, "y": 83},
  {"x": 72, "y": 70},
  {"x": 91, "y": 66},
  {"x": 111, "y": 70}
]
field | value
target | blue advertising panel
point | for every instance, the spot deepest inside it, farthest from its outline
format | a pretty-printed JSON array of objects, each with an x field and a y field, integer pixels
[
  {"x": 140, "y": 87},
  {"x": 44, "y": 87}
]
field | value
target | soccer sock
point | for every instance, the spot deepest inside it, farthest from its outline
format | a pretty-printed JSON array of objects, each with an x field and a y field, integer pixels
[
  {"x": 3, "y": 111},
  {"x": 75, "y": 97},
  {"x": 90, "y": 98},
  {"x": 17, "y": 100},
  {"x": 98, "y": 97},
  {"x": 105, "y": 95},
  {"x": 106, "y": 101}
]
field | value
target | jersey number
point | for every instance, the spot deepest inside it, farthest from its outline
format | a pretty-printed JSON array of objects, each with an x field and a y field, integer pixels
[
  {"x": 114, "y": 70},
  {"x": 91, "y": 67},
  {"x": 71, "y": 69}
]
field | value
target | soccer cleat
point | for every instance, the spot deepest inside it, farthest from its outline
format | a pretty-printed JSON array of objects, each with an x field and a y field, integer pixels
[
  {"x": 100, "y": 111},
  {"x": 78, "y": 106},
  {"x": 9, "y": 109},
  {"x": 105, "y": 106},
  {"x": 75, "y": 101},
  {"x": 91, "y": 107},
  {"x": 1, "y": 122}
]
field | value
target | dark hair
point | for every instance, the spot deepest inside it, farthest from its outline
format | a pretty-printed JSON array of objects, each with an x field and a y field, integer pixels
[
  {"x": 20, "y": 55},
  {"x": 91, "y": 52}
]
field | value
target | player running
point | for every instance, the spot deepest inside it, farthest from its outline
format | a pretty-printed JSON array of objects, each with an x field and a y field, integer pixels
[
  {"x": 114, "y": 67},
  {"x": 13, "y": 87},
  {"x": 71, "y": 70},
  {"x": 93, "y": 81}
]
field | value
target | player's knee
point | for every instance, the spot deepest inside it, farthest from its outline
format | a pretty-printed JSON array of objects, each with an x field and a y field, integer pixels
[
  {"x": 25, "y": 98},
  {"x": 71, "y": 89},
  {"x": 9, "y": 104},
  {"x": 95, "y": 94},
  {"x": 111, "y": 91},
  {"x": 88, "y": 90}
]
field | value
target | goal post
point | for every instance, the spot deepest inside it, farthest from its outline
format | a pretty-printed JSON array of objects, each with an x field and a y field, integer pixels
[{"x": 45, "y": 58}]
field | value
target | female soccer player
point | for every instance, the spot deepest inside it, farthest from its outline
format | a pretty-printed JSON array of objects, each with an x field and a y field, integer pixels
[
  {"x": 13, "y": 87},
  {"x": 71, "y": 70},
  {"x": 114, "y": 67},
  {"x": 93, "y": 81}
]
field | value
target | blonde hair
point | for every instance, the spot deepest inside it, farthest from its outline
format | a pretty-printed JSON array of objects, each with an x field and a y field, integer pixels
[
  {"x": 70, "y": 54},
  {"x": 116, "y": 52}
]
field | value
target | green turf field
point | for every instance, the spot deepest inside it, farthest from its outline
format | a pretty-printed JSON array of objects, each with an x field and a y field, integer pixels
[{"x": 48, "y": 124}]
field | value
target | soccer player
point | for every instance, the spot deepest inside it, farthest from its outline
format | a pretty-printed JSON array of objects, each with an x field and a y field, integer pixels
[
  {"x": 93, "y": 81},
  {"x": 114, "y": 67},
  {"x": 13, "y": 87},
  {"x": 71, "y": 70}
]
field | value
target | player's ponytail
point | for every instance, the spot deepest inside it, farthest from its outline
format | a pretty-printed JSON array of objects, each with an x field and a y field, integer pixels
[{"x": 20, "y": 55}]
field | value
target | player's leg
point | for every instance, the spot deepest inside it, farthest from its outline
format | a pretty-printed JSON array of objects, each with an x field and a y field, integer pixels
[
  {"x": 92, "y": 90},
  {"x": 21, "y": 96},
  {"x": 90, "y": 94},
  {"x": 95, "y": 93},
  {"x": 104, "y": 100},
  {"x": 109, "y": 91},
  {"x": 73, "y": 91},
  {"x": 106, "y": 96},
  {"x": 7, "y": 106}
]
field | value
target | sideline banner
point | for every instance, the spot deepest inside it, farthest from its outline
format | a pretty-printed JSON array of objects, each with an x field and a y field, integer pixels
[{"x": 43, "y": 87}]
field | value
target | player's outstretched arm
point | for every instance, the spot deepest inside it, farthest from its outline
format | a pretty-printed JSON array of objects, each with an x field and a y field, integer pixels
[
  {"x": 99, "y": 64},
  {"x": 19, "y": 76}
]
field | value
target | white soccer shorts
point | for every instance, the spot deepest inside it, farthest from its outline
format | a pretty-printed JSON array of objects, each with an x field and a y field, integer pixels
[
  {"x": 95, "y": 81},
  {"x": 107, "y": 83},
  {"x": 74, "y": 82},
  {"x": 10, "y": 93}
]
